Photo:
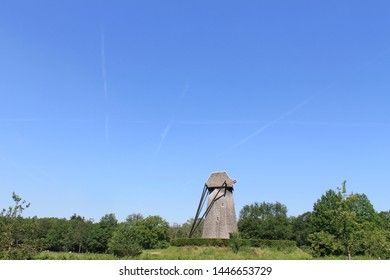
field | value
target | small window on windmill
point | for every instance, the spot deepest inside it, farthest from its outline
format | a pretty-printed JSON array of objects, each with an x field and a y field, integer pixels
[
  {"x": 217, "y": 218},
  {"x": 222, "y": 204}
]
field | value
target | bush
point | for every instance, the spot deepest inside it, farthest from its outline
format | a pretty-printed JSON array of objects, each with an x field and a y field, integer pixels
[
  {"x": 235, "y": 242},
  {"x": 124, "y": 242},
  {"x": 265, "y": 243},
  {"x": 324, "y": 244},
  {"x": 123, "y": 250}
]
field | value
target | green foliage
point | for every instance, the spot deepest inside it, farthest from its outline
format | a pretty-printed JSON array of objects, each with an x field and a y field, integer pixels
[
  {"x": 56, "y": 234},
  {"x": 385, "y": 222},
  {"x": 324, "y": 244},
  {"x": 153, "y": 232},
  {"x": 182, "y": 231},
  {"x": 264, "y": 221},
  {"x": 200, "y": 242},
  {"x": 73, "y": 256},
  {"x": 235, "y": 242},
  {"x": 100, "y": 234},
  {"x": 57, "y": 237},
  {"x": 15, "y": 233},
  {"x": 78, "y": 232},
  {"x": 343, "y": 224},
  {"x": 259, "y": 243},
  {"x": 223, "y": 253},
  {"x": 189, "y": 253},
  {"x": 137, "y": 233},
  {"x": 264, "y": 243},
  {"x": 373, "y": 242},
  {"x": 134, "y": 218},
  {"x": 125, "y": 241},
  {"x": 301, "y": 228}
]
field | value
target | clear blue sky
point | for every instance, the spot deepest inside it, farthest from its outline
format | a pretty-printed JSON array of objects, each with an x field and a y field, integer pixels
[{"x": 127, "y": 106}]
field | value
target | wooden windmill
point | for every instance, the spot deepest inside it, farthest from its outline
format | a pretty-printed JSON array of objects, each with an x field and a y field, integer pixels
[{"x": 220, "y": 216}]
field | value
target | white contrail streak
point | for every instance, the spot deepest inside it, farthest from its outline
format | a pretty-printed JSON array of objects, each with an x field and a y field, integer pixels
[
  {"x": 294, "y": 123},
  {"x": 279, "y": 118},
  {"x": 163, "y": 136},
  {"x": 267, "y": 125},
  {"x": 299, "y": 106}
]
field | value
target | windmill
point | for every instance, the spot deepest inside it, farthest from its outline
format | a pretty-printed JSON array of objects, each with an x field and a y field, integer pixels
[{"x": 220, "y": 216}]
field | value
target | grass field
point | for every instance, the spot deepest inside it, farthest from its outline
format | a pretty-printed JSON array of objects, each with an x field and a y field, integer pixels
[{"x": 191, "y": 253}]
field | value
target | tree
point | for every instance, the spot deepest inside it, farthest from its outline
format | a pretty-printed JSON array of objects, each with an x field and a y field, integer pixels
[
  {"x": 324, "y": 244},
  {"x": 344, "y": 220},
  {"x": 324, "y": 211},
  {"x": 100, "y": 234},
  {"x": 301, "y": 228},
  {"x": 14, "y": 233},
  {"x": 385, "y": 218},
  {"x": 44, "y": 234},
  {"x": 139, "y": 233},
  {"x": 182, "y": 231},
  {"x": 373, "y": 241},
  {"x": 125, "y": 241},
  {"x": 79, "y": 228},
  {"x": 264, "y": 221},
  {"x": 153, "y": 232},
  {"x": 133, "y": 218}
]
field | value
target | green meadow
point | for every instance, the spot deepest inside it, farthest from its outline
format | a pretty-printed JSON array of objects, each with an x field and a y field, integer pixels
[{"x": 190, "y": 253}]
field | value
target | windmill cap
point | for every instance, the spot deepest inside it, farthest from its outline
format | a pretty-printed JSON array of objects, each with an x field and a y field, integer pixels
[{"x": 217, "y": 179}]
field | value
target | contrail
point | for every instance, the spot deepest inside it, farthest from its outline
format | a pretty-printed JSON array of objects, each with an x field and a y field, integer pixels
[
  {"x": 339, "y": 124},
  {"x": 168, "y": 127},
  {"x": 282, "y": 116},
  {"x": 295, "y": 123},
  {"x": 103, "y": 59},
  {"x": 299, "y": 106},
  {"x": 163, "y": 136}
]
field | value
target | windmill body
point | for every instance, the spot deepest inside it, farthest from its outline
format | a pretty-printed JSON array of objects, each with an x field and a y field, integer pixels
[{"x": 220, "y": 216}]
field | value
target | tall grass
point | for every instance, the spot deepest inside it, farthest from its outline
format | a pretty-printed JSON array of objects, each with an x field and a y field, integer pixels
[
  {"x": 200, "y": 253},
  {"x": 223, "y": 253},
  {"x": 73, "y": 256},
  {"x": 191, "y": 253}
]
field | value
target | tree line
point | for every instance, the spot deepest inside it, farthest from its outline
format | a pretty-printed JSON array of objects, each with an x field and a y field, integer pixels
[{"x": 339, "y": 224}]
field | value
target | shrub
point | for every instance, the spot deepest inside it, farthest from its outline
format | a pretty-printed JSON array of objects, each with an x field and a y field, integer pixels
[
  {"x": 263, "y": 243},
  {"x": 124, "y": 242},
  {"x": 235, "y": 242}
]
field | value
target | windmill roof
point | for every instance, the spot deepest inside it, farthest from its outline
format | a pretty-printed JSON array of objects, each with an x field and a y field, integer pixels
[{"x": 217, "y": 179}]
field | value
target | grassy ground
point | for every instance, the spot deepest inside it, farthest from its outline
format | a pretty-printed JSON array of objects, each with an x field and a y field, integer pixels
[
  {"x": 191, "y": 253},
  {"x": 73, "y": 256},
  {"x": 223, "y": 253}
]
